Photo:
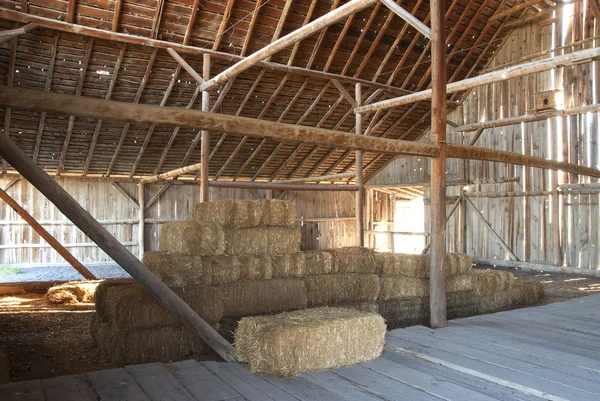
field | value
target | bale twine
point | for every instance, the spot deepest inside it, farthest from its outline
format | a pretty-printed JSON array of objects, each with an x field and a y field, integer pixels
[
  {"x": 101, "y": 295},
  {"x": 192, "y": 238},
  {"x": 355, "y": 260},
  {"x": 132, "y": 308},
  {"x": 304, "y": 341},
  {"x": 271, "y": 240},
  {"x": 246, "y": 213},
  {"x": 340, "y": 289},
  {"x": 165, "y": 344},
  {"x": 489, "y": 282},
  {"x": 402, "y": 264},
  {"x": 72, "y": 292},
  {"x": 246, "y": 298}
]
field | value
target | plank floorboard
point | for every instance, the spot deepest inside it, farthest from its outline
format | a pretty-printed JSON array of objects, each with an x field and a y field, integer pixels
[
  {"x": 69, "y": 388},
  {"x": 158, "y": 383},
  {"x": 116, "y": 384},
  {"x": 30, "y": 390},
  {"x": 201, "y": 383}
]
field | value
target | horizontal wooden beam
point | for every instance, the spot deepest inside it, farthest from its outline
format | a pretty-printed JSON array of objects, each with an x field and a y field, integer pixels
[
  {"x": 281, "y": 187},
  {"x": 303, "y": 32},
  {"x": 408, "y": 17},
  {"x": 583, "y": 271},
  {"x": 7, "y": 35},
  {"x": 172, "y": 173},
  {"x": 527, "y": 118},
  {"x": 185, "y": 49},
  {"x": 507, "y": 194},
  {"x": 489, "y": 78},
  {"x": 80, "y": 106},
  {"x": 330, "y": 177}
]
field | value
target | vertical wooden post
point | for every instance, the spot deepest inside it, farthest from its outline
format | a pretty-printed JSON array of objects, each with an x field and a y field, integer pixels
[
  {"x": 462, "y": 226},
  {"x": 360, "y": 194},
  {"x": 437, "y": 282},
  {"x": 141, "y": 216},
  {"x": 269, "y": 194},
  {"x": 205, "y": 139},
  {"x": 62, "y": 251}
]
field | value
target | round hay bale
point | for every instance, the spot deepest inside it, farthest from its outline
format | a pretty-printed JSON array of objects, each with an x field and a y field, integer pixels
[
  {"x": 132, "y": 308},
  {"x": 340, "y": 289},
  {"x": 310, "y": 340},
  {"x": 247, "y": 298},
  {"x": 355, "y": 260},
  {"x": 288, "y": 265},
  {"x": 181, "y": 270},
  {"x": 246, "y": 213},
  {"x": 399, "y": 287},
  {"x": 401, "y": 264},
  {"x": 271, "y": 240},
  {"x": 192, "y": 238},
  {"x": 165, "y": 344}
]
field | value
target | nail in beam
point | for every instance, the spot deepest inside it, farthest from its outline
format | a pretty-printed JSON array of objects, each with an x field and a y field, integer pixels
[
  {"x": 97, "y": 233},
  {"x": 489, "y": 78},
  {"x": 437, "y": 277},
  {"x": 81, "y": 106},
  {"x": 62, "y": 251}
]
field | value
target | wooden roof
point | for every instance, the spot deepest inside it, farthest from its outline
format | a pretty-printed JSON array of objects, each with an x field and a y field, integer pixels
[{"x": 115, "y": 61}]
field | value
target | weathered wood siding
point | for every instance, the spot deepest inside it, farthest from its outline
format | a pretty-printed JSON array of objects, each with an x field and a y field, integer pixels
[
  {"x": 525, "y": 223},
  {"x": 19, "y": 244}
]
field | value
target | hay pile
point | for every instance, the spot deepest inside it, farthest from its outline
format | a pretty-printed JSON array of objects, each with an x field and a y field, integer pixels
[
  {"x": 303, "y": 341},
  {"x": 72, "y": 292},
  {"x": 192, "y": 238}
]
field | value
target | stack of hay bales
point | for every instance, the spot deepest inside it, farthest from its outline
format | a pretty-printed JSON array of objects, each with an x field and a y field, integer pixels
[{"x": 404, "y": 296}]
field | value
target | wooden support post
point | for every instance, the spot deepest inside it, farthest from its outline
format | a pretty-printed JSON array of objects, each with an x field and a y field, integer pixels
[
  {"x": 269, "y": 194},
  {"x": 141, "y": 216},
  {"x": 437, "y": 277},
  {"x": 448, "y": 216},
  {"x": 555, "y": 226},
  {"x": 109, "y": 244},
  {"x": 360, "y": 194},
  {"x": 62, "y": 251},
  {"x": 462, "y": 226},
  {"x": 205, "y": 140},
  {"x": 408, "y": 17}
]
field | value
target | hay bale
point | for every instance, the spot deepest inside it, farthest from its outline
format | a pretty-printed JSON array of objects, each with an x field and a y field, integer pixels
[
  {"x": 133, "y": 308},
  {"x": 255, "y": 267},
  {"x": 192, "y": 238},
  {"x": 402, "y": 264},
  {"x": 271, "y": 240},
  {"x": 527, "y": 292},
  {"x": 165, "y": 344},
  {"x": 489, "y": 282},
  {"x": 355, "y": 260},
  {"x": 72, "y": 292},
  {"x": 398, "y": 287},
  {"x": 405, "y": 312},
  {"x": 303, "y": 341},
  {"x": 340, "y": 289},
  {"x": 459, "y": 283},
  {"x": 4, "y": 367},
  {"x": 246, "y": 213},
  {"x": 288, "y": 265},
  {"x": 462, "y": 304},
  {"x": 301, "y": 264},
  {"x": 246, "y": 298},
  {"x": 371, "y": 307},
  {"x": 101, "y": 294}
]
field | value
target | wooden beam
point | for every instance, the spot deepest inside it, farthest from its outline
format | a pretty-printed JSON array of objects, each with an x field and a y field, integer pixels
[
  {"x": 512, "y": 10},
  {"x": 116, "y": 15},
  {"x": 279, "y": 28},
  {"x": 360, "y": 194},
  {"x": 491, "y": 77},
  {"x": 251, "y": 27},
  {"x": 30, "y": 99},
  {"x": 344, "y": 93},
  {"x": 157, "y": 17},
  {"x": 186, "y": 66},
  {"x": 459, "y": 200},
  {"x": 10, "y": 81},
  {"x": 71, "y": 11},
  {"x": 223, "y": 25},
  {"x": 331, "y": 177},
  {"x": 489, "y": 226},
  {"x": 62, "y": 251},
  {"x": 190, "y": 25},
  {"x": 282, "y": 187},
  {"x": 172, "y": 173},
  {"x": 408, "y": 17},
  {"x": 141, "y": 217},
  {"x": 13, "y": 33},
  {"x": 130, "y": 198},
  {"x": 522, "y": 194},
  {"x": 437, "y": 275},
  {"x": 157, "y": 196},
  {"x": 42, "y": 121},
  {"x": 109, "y": 244},
  {"x": 205, "y": 136},
  {"x": 326, "y": 20},
  {"x": 186, "y": 49}
]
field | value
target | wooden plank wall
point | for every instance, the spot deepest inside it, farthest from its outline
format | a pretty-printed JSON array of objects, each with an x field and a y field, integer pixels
[
  {"x": 574, "y": 139},
  {"x": 19, "y": 244}
]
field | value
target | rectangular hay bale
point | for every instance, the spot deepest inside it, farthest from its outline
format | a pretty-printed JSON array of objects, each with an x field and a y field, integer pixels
[
  {"x": 355, "y": 260},
  {"x": 254, "y": 297},
  {"x": 100, "y": 295},
  {"x": 489, "y": 282},
  {"x": 310, "y": 340},
  {"x": 246, "y": 213},
  {"x": 301, "y": 264},
  {"x": 410, "y": 265},
  {"x": 340, "y": 289},
  {"x": 132, "y": 308},
  {"x": 271, "y": 240},
  {"x": 398, "y": 287},
  {"x": 192, "y": 238}
]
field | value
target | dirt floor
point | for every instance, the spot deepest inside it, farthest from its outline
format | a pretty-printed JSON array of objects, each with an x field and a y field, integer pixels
[{"x": 44, "y": 340}]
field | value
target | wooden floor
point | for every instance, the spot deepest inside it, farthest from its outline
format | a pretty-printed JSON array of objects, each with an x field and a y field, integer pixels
[{"x": 549, "y": 352}]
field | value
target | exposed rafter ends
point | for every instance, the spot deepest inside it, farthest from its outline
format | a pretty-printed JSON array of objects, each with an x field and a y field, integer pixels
[
  {"x": 408, "y": 17},
  {"x": 12, "y": 33},
  {"x": 80, "y": 106},
  {"x": 489, "y": 78},
  {"x": 325, "y": 21}
]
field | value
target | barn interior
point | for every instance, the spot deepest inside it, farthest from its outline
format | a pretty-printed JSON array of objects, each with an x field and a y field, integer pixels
[{"x": 170, "y": 168}]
